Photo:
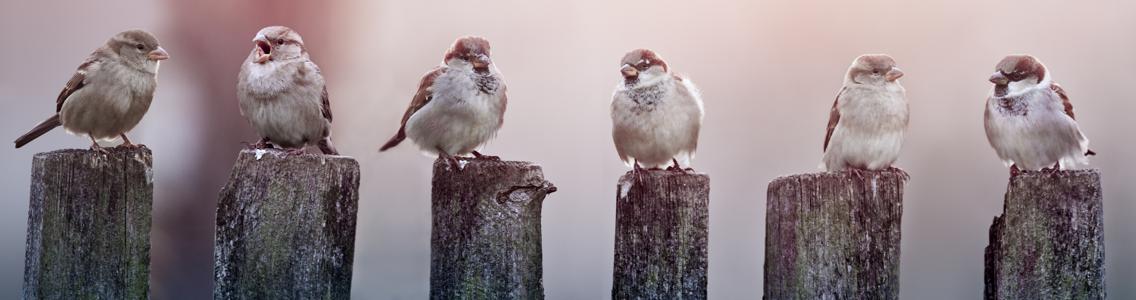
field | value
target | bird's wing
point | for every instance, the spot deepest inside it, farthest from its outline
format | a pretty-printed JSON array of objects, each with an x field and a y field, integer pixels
[
  {"x": 1064, "y": 99},
  {"x": 504, "y": 105},
  {"x": 326, "y": 104},
  {"x": 421, "y": 98},
  {"x": 833, "y": 118},
  {"x": 78, "y": 81},
  {"x": 1069, "y": 110}
]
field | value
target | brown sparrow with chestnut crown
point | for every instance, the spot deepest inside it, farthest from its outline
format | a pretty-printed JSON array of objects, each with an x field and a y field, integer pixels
[
  {"x": 1029, "y": 119},
  {"x": 655, "y": 114},
  {"x": 868, "y": 118},
  {"x": 459, "y": 105},
  {"x": 110, "y": 92},
  {"x": 282, "y": 93}
]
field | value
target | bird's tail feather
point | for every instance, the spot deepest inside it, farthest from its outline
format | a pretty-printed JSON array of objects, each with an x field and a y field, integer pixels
[
  {"x": 397, "y": 138},
  {"x": 43, "y": 127}
]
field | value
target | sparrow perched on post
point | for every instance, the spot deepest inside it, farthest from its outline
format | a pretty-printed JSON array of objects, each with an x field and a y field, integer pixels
[
  {"x": 868, "y": 118},
  {"x": 459, "y": 105},
  {"x": 110, "y": 92},
  {"x": 282, "y": 93},
  {"x": 1029, "y": 119},
  {"x": 655, "y": 114}
]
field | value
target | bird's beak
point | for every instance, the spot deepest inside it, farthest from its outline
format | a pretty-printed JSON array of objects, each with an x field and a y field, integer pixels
[
  {"x": 263, "y": 50},
  {"x": 629, "y": 72},
  {"x": 893, "y": 74},
  {"x": 999, "y": 79},
  {"x": 159, "y": 54},
  {"x": 480, "y": 64}
]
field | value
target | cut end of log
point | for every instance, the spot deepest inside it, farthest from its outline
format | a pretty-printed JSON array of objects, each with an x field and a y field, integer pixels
[
  {"x": 1049, "y": 241},
  {"x": 89, "y": 224},
  {"x": 286, "y": 227},
  {"x": 834, "y": 234},
  {"x": 486, "y": 235},
  {"x": 662, "y": 229}
]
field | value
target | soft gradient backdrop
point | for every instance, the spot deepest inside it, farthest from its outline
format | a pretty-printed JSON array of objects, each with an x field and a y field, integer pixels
[{"x": 769, "y": 71}]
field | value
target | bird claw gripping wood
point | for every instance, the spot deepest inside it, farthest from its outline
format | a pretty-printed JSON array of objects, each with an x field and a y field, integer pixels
[{"x": 478, "y": 155}]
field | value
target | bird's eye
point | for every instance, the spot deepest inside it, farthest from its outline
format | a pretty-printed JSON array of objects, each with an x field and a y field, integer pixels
[{"x": 140, "y": 46}]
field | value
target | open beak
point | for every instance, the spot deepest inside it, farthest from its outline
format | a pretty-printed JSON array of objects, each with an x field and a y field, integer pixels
[
  {"x": 893, "y": 74},
  {"x": 263, "y": 50},
  {"x": 159, "y": 54},
  {"x": 999, "y": 79},
  {"x": 629, "y": 72}
]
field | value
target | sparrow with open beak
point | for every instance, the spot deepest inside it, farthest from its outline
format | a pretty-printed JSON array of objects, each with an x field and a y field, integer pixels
[
  {"x": 1029, "y": 119},
  {"x": 459, "y": 105},
  {"x": 282, "y": 93},
  {"x": 868, "y": 118},
  {"x": 110, "y": 92},
  {"x": 656, "y": 115}
]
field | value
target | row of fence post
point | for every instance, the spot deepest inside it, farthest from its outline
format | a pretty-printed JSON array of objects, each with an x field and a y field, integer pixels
[{"x": 286, "y": 229}]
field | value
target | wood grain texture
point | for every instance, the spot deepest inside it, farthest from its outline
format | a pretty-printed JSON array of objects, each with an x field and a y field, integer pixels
[
  {"x": 286, "y": 227},
  {"x": 834, "y": 235},
  {"x": 89, "y": 225},
  {"x": 485, "y": 240},
  {"x": 662, "y": 227},
  {"x": 1049, "y": 241}
]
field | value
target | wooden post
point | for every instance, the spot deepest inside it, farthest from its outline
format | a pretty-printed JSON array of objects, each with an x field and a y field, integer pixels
[
  {"x": 1049, "y": 241},
  {"x": 834, "y": 235},
  {"x": 89, "y": 225},
  {"x": 286, "y": 227},
  {"x": 661, "y": 231},
  {"x": 485, "y": 241}
]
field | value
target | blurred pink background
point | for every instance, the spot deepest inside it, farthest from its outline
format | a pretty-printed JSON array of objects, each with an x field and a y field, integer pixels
[{"x": 768, "y": 70}]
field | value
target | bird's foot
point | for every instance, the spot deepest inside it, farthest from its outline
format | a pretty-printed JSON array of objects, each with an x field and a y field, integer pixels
[
  {"x": 296, "y": 151},
  {"x": 100, "y": 149},
  {"x": 856, "y": 172},
  {"x": 1015, "y": 171},
  {"x": 675, "y": 167},
  {"x": 1052, "y": 170},
  {"x": 129, "y": 145},
  {"x": 478, "y": 155},
  {"x": 451, "y": 160},
  {"x": 262, "y": 144},
  {"x": 900, "y": 171}
]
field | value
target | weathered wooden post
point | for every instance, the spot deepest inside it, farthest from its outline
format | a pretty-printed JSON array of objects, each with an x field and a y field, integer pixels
[
  {"x": 1049, "y": 241},
  {"x": 834, "y": 235},
  {"x": 662, "y": 222},
  {"x": 89, "y": 225},
  {"x": 286, "y": 227},
  {"x": 485, "y": 241}
]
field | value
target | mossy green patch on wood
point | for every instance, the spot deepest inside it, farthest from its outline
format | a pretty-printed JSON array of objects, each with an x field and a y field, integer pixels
[
  {"x": 89, "y": 225},
  {"x": 286, "y": 227},
  {"x": 1049, "y": 241},
  {"x": 834, "y": 235},
  {"x": 486, "y": 238},
  {"x": 661, "y": 235}
]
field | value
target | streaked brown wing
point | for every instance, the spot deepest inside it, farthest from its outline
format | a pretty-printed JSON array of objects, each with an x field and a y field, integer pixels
[
  {"x": 77, "y": 82},
  {"x": 326, "y": 105},
  {"x": 1064, "y": 99},
  {"x": 421, "y": 98},
  {"x": 833, "y": 118}
]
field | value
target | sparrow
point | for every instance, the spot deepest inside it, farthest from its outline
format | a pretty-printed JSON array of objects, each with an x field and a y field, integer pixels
[
  {"x": 109, "y": 93},
  {"x": 1029, "y": 119},
  {"x": 282, "y": 93},
  {"x": 459, "y": 105},
  {"x": 655, "y": 114},
  {"x": 868, "y": 118}
]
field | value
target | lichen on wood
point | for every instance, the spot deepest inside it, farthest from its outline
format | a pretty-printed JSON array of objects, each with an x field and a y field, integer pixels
[
  {"x": 89, "y": 225},
  {"x": 834, "y": 235},
  {"x": 286, "y": 227},
  {"x": 486, "y": 236},
  {"x": 661, "y": 235},
  {"x": 1049, "y": 241}
]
